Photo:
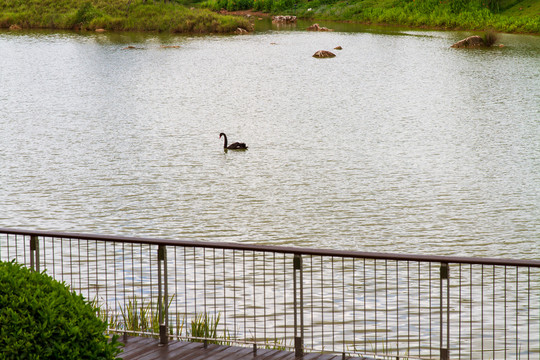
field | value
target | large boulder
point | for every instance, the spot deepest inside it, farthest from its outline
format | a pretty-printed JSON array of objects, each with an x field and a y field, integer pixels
[
  {"x": 322, "y": 54},
  {"x": 470, "y": 42}
]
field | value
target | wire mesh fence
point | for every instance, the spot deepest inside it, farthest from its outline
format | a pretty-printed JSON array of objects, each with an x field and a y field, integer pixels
[{"x": 357, "y": 304}]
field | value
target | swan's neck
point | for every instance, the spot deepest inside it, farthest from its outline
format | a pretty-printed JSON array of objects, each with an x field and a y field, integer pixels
[{"x": 225, "y": 141}]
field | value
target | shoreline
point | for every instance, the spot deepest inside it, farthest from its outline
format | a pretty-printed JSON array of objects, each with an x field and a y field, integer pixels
[
  {"x": 259, "y": 14},
  {"x": 233, "y": 21}
]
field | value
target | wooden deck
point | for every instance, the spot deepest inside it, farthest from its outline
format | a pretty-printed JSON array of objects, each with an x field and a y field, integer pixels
[{"x": 143, "y": 348}]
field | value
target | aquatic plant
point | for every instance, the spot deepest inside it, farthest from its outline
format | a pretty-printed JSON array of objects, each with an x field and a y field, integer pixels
[
  {"x": 204, "y": 326},
  {"x": 490, "y": 38},
  {"x": 142, "y": 319}
]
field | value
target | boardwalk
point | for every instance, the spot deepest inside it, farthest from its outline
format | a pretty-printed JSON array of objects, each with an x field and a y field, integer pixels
[{"x": 143, "y": 348}]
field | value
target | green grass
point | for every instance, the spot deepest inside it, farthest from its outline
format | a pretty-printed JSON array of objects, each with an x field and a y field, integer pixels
[
  {"x": 190, "y": 16},
  {"x": 116, "y": 15},
  {"x": 499, "y": 15}
]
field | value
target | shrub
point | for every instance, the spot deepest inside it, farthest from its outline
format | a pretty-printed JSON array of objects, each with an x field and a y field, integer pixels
[
  {"x": 490, "y": 38},
  {"x": 41, "y": 318},
  {"x": 86, "y": 13}
]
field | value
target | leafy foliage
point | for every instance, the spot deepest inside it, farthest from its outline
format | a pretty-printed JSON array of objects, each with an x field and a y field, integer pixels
[
  {"x": 41, "y": 318},
  {"x": 445, "y": 14},
  {"x": 172, "y": 16},
  {"x": 86, "y": 13}
]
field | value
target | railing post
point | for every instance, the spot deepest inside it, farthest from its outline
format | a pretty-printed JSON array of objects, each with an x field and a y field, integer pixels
[
  {"x": 163, "y": 296},
  {"x": 445, "y": 275},
  {"x": 34, "y": 253},
  {"x": 298, "y": 307}
]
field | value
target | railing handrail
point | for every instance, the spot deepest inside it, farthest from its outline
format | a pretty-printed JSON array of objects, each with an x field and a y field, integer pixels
[{"x": 282, "y": 249}]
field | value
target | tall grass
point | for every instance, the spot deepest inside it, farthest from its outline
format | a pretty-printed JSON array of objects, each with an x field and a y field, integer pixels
[
  {"x": 116, "y": 15},
  {"x": 204, "y": 326},
  {"x": 143, "y": 320},
  {"x": 490, "y": 38},
  {"x": 443, "y": 14}
]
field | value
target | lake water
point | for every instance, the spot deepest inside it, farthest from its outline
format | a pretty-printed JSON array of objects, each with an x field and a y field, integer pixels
[{"x": 398, "y": 144}]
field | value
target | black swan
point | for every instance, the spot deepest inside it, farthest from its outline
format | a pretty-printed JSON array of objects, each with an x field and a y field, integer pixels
[{"x": 234, "y": 146}]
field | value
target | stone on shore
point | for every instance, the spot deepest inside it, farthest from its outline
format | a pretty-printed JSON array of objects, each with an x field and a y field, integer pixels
[
  {"x": 15, "y": 27},
  {"x": 241, "y": 31}
]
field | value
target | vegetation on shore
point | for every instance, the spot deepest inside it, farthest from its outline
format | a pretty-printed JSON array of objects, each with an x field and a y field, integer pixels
[
  {"x": 499, "y": 15},
  {"x": 199, "y": 16},
  {"x": 117, "y": 15}
]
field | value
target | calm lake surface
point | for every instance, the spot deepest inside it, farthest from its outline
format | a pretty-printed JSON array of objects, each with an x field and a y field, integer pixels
[{"x": 398, "y": 144}]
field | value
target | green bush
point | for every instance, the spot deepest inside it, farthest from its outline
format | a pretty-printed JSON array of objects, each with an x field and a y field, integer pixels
[
  {"x": 85, "y": 14},
  {"x": 41, "y": 318}
]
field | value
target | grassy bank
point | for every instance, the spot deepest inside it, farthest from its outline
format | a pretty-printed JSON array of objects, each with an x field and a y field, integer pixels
[
  {"x": 120, "y": 15},
  {"x": 499, "y": 15},
  {"x": 194, "y": 16}
]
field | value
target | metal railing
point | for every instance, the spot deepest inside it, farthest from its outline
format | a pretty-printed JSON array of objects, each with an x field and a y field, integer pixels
[{"x": 354, "y": 303}]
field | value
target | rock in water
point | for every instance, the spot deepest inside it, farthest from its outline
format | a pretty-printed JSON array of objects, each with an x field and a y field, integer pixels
[
  {"x": 284, "y": 19},
  {"x": 322, "y": 54},
  {"x": 470, "y": 42},
  {"x": 316, "y": 27}
]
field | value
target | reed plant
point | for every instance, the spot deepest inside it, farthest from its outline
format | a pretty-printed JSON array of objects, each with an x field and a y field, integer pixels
[
  {"x": 490, "y": 38},
  {"x": 142, "y": 319},
  {"x": 204, "y": 327}
]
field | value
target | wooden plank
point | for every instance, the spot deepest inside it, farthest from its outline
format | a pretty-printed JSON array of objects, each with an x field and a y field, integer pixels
[
  {"x": 165, "y": 352},
  {"x": 276, "y": 355},
  {"x": 141, "y": 348},
  {"x": 191, "y": 350},
  {"x": 220, "y": 352},
  {"x": 317, "y": 356},
  {"x": 232, "y": 352},
  {"x": 135, "y": 347},
  {"x": 180, "y": 350}
]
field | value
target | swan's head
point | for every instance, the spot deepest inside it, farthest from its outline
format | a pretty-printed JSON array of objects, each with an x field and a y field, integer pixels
[{"x": 221, "y": 134}]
